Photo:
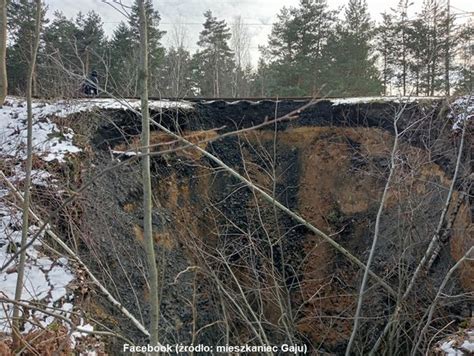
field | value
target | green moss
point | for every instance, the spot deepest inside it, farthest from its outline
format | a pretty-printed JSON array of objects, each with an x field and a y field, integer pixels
[{"x": 335, "y": 217}]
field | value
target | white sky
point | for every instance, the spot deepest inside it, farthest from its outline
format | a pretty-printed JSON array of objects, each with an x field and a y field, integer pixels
[{"x": 258, "y": 14}]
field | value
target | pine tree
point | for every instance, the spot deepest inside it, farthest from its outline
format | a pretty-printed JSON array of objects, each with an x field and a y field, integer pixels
[
  {"x": 79, "y": 45},
  {"x": 262, "y": 77},
  {"x": 123, "y": 68},
  {"x": 214, "y": 62},
  {"x": 90, "y": 38},
  {"x": 296, "y": 48},
  {"x": 177, "y": 73},
  {"x": 21, "y": 29},
  {"x": 385, "y": 45},
  {"x": 58, "y": 37},
  {"x": 465, "y": 83},
  {"x": 418, "y": 47},
  {"x": 401, "y": 25},
  {"x": 282, "y": 76},
  {"x": 430, "y": 14},
  {"x": 430, "y": 31},
  {"x": 352, "y": 64},
  {"x": 156, "y": 51},
  {"x": 449, "y": 47}
]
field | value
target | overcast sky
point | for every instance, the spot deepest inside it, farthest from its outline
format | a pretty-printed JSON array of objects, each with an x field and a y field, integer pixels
[{"x": 258, "y": 14}]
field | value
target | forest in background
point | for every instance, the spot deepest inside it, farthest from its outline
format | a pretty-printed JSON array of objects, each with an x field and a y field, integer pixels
[
  {"x": 310, "y": 51},
  {"x": 257, "y": 237}
]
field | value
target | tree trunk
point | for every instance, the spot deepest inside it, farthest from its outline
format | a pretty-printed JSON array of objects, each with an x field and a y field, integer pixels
[
  {"x": 447, "y": 54},
  {"x": 404, "y": 63},
  {"x": 385, "y": 74},
  {"x": 3, "y": 51},
  {"x": 146, "y": 176},
  {"x": 434, "y": 55},
  {"x": 29, "y": 159}
]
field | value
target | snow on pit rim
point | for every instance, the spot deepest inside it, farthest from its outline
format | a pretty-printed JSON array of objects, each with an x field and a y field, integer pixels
[{"x": 375, "y": 99}]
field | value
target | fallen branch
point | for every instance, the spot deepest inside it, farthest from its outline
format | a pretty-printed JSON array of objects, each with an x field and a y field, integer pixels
[
  {"x": 73, "y": 255},
  {"x": 429, "y": 251},
  {"x": 429, "y": 313},
  {"x": 363, "y": 285},
  {"x": 44, "y": 310},
  {"x": 280, "y": 206}
]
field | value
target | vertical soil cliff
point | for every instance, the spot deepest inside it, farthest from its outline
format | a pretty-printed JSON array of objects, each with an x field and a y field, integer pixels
[{"x": 235, "y": 270}]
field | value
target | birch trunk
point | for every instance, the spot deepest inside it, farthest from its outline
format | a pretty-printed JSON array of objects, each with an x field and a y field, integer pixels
[
  {"x": 3, "y": 51},
  {"x": 146, "y": 176},
  {"x": 29, "y": 159}
]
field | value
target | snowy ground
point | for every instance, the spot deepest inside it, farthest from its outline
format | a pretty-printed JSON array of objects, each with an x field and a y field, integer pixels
[
  {"x": 381, "y": 99},
  {"x": 49, "y": 142},
  {"x": 457, "y": 345},
  {"x": 462, "y": 111},
  {"x": 46, "y": 278}
]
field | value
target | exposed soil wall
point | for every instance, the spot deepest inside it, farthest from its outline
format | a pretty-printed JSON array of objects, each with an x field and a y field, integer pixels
[{"x": 216, "y": 237}]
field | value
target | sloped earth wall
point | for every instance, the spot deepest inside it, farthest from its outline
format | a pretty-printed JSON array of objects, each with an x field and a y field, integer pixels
[{"x": 220, "y": 246}]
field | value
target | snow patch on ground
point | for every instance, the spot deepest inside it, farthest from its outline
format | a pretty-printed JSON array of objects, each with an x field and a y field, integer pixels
[
  {"x": 65, "y": 108},
  {"x": 49, "y": 142},
  {"x": 46, "y": 278},
  {"x": 462, "y": 110},
  {"x": 457, "y": 345},
  {"x": 380, "y": 99},
  {"x": 39, "y": 177}
]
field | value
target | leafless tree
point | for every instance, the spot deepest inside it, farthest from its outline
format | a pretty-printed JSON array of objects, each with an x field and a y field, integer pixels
[
  {"x": 178, "y": 61},
  {"x": 383, "y": 201},
  {"x": 146, "y": 176},
  {"x": 27, "y": 186},
  {"x": 3, "y": 51},
  {"x": 240, "y": 45}
]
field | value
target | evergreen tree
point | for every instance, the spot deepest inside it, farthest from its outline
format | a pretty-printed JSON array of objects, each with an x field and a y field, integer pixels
[
  {"x": 283, "y": 73},
  {"x": 465, "y": 82},
  {"x": 21, "y": 31},
  {"x": 401, "y": 25},
  {"x": 59, "y": 46},
  {"x": 385, "y": 38},
  {"x": 449, "y": 46},
  {"x": 71, "y": 46},
  {"x": 261, "y": 82},
  {"x": 59, "y": 36},
  {"x": 427, "y": 41},
  {"x": 156, "y": 51},
  {"x": 177, "y": 73},
  {"x": 430, "y": 14},
  {"x": 352, "y": 70},
  {"x": 296, "y": 48},
  {"x": 214, "y": 62},
  {"x": 90, "y": 41},
  {"x": 123, "y": 64},
  {"x": 418, "y": 37}
]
